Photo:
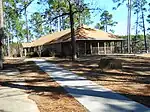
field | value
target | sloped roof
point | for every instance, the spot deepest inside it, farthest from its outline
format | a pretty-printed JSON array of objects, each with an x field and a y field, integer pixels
[
  {"x": 86, "y": 33},
  {"x": 27, "y": 45},
  {"x": 81, "y": 33},
  {"x": 46, "y": 39}
]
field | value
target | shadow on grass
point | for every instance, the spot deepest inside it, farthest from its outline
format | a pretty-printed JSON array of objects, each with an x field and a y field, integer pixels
[
  {"x": 85, "y": 68},
  {"x": 76, "y": 92},
  {"x": 30, "y": 67},
  {"x": 129, "y": 74}
]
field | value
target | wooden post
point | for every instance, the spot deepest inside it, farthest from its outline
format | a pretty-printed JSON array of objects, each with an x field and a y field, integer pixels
[
  {"x": 25, "y": 52},
  {"x": 91, "y": 48},
  {"x": 28, "y": 50},
  {"x": 121, "y": 47},
  {"x": 115, "y": 46},
  {"x": 104, "y": 47},
  {"x": 98, "y": 48},
  {"x": 111, "y": 47}
]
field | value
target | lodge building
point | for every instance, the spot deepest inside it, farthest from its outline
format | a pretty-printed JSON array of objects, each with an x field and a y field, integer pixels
[{"x": 89, "y": 41}]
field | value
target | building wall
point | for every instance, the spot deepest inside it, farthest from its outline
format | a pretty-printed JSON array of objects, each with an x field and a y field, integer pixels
[
  {"x": 83, "y": 47},
  {"x": 52, "y": 49},
  {"x": 66, "y": 49},
  {"x": 97, "y": 47}
]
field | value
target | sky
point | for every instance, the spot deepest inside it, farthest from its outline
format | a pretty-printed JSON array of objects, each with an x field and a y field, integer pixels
[{"x": 119, "y": 15}]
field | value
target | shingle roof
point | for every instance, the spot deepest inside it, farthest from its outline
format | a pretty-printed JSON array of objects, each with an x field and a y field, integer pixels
[
  {"x": 46, "y": 39},
  {"x": 86, "y": 33},
  {"x": 81, "y": 33}
]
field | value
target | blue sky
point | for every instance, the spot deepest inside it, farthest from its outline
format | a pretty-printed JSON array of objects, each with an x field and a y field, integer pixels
[{"x": 119, "y": 15}]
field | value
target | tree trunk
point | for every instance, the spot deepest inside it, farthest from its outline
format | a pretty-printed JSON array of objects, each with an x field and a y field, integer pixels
[
  {"x": 8, "y": 46},
  {"x": 145, "y": 40},
  {"x": 73, "y": 40},
  {"x": 105, "y": 24},
  {"x": 136, "y": 33},
  {"x": 129, "y": 27},
  {"x": 27, "y": 27},
  {"x": 1, "y": 33}
]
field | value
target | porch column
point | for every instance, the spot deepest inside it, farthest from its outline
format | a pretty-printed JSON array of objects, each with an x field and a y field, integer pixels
[
  {"x": 91, "y": 48},
  {"x": 25, "y": 52},
  {"x": 121, "y": 47},
  {"x": 85, "y": 48},
  {"x": 28, "y": 50},
  {"x": 104, "y": 47},
  {"x": 98, "y": 48},
  {"x": 115, "y": 47},
  {"x": 111, "y": 47},
  {"x": 34, "y": 49}
]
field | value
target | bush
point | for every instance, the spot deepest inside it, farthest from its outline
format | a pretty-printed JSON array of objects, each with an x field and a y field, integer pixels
[
  {"x": 110, "y": 63},
  {"x": 32, "y": 54}
]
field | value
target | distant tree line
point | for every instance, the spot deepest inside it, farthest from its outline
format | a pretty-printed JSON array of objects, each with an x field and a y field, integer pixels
[
  {"x": 56, "y": 15},
  {"x": 20, "y": 25},
  {"x": 139, "y": 8},
  {"x": 139, "y": 47}
]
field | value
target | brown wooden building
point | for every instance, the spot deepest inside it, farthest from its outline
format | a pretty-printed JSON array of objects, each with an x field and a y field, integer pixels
[{"x": 89, "y": 41}]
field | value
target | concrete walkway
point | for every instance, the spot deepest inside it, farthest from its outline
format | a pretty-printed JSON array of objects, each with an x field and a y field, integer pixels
[
  {"x": 94, "y": 97},
  {"x": 13, "y": 99}
]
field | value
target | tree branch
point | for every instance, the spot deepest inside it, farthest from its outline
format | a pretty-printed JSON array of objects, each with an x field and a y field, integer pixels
[
  {"x": 64, "y": 14},
  {"x": 26, "y": 6},
  {"x": 51, "y": 20}
]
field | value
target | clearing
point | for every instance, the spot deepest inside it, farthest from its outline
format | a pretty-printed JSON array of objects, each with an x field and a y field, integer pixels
[
  {"x": 132, "y": 81},
  {"x": 47, "y": 94}
]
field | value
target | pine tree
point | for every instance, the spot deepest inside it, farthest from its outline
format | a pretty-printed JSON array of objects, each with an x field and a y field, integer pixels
[
  {"x": 1, "y": 32},
  {"x": 106, "y": 21},
  {"x": 148, "y": 18}
]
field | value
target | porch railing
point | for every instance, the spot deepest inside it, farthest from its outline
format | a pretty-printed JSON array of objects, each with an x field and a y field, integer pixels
[{"x": 100, "y": 50}]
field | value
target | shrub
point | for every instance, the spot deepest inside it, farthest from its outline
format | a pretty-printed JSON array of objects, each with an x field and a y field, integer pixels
[{"x": 110, "y": 63}]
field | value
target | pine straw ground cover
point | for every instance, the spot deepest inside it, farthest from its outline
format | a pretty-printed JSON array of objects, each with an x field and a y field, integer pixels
[
  {"x": 133, "y": 80},
  {"x": 47, "y": 94}
]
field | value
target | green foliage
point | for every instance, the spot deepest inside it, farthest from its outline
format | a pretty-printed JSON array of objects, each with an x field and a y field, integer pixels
[
  {"x": 60, "y": 9},
  {"x": 15, "y": 49},
  {"x": 139, "y": 9},
  {"x": 42, "y": 22},
  {"x": 106, "y": 21},
  {"x": 99, "y": 26},
  {"x": 37, "y": 27},
  {"x": 138, "y": 43},
  {"x": 148, "y": 18},
  {"x": 14, "y": 24}
]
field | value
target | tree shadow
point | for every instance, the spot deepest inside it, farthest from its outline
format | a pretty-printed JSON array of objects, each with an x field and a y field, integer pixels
[
  {"x": 4, "y": 111},
  {"x": 75, "y": 92},
  {"x": 130, "y": 73},
  {"x": 29, "y": 67}
]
